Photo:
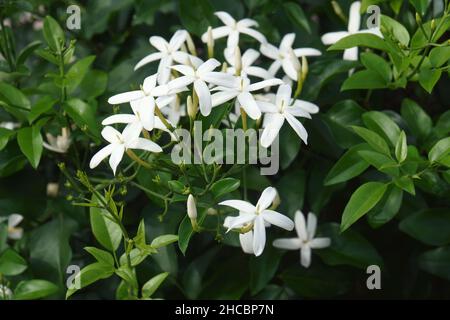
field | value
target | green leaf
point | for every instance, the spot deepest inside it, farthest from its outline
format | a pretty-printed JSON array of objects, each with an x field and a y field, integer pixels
[
  {"x": 93, "y": 84},
  {"x": 296, "y": 15},
  {"x": 5, "y": 134},
  {"x": 394, "y": 28},
  {"x": 196, "y": 15},
  {"x": 11, "y": 263},
  {"x": 373, "y": 139},
  {"x": 430, "y": 226},
  {"x": 419, "y": 122},
  {"x": 77, "y": 72},
  {"x": 83, "y": 114},
  {"x": 88, "y": 275},
  {"x": 41, "y": 106},
  {"x": 14, "y": 101},
  {"x": 348, "y": 248},
  {"x": 348, "y": 166},
  {"x": 366, "y": 79},
  {"x": 361, "y": 201},
  {"x": 439, "y": 56},
  {"x": 428, "y": 78},
  {"x": 382, "y": 124},
  {"x": 377, "y": 64},
  {"x": 421, "y": 6},
  {"x": 53, "y": 34},
  {"x": 380, "y": 161},
  {"x": 225, "y": 186},
  {"x": 360, "y": 40},
  {"x": 31, "y": 144},
  {"x": 436, "y": 262},
  {"x": 27, "y": 51},
  {"x": 164, "y": 240},
  {"x": 107, "y": 232},
  {"x": 440, "y": 150},
  {"x": 406, "y": 183},
  {"x": 185, "y": 231},
  {"x": 101, "y": 256},
  {"x": 387, "y": 208},
  {"x": 149, "y": 288},
  {"x": 34, "y": 289},
  {"x": 401, "y": 148},
  {"x": 263, "y": 269}
]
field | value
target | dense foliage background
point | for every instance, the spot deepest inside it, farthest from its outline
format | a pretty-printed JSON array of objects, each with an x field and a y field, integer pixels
[{"x": 407, "y": 233}]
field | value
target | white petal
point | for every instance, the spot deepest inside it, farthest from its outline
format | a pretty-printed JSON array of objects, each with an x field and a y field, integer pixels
[
  {"x": 219, "y": 79},
  {"x": 217, "y": 33},
  {"x": 180, "y": 82},
  {"x": 283, "y": 96},
  {"x": 272, "y": 129},
  {"x": 351, "y": 54},
  {"x": 305, "y": 256},
  {"x": 307, "y": 52},
  {"x": 225, "y": 18},
  {"x": 240, "y": 220},
  {"x": 240, "y": 205},
  {"x": 181, "y": 57},
  {"x": 266, "y": 198},
  {"x": 266, "y": 106},
  {"x": 164, "y": 101},
  {"x": 116, "y": 157},
  {"x": 111, "y": 135},
  {"x": 249, "y": 57},
  {"x": 233, "y": 39},
  {"x": 246, "y": 241},
  {"x": 320, "y": 243},
  {"x": 159, "y": 43},
  {"x": 298, "y": 112},
  {"x": 264, "y": 84},
  {"x": 208, "y": 66},
  {"x": 248, "y": 103},
  {"x": 162, "y": 90},
  {"x": 259, "y": 236},
  {"x": 288, "y": 244},
  {"x": 297, "y": 126},
  {"x": 333, "y": 37},
  {"x": 149, "y": 83},
  {"x": 15, "y": 234},
  {"x": 185, "y": 70},
  {"x": 257, "y": 72},
  {"x": 247, "y": 23},
  {"x": 144, "y": 144},
  {"x": 287, "y": 42},
  {"x": 145, "y": 111},
  {"x": 289, "y": 68},
  {"x": 119, "y": 118},
  {"x": 311, "y": 225},
  {"x": 274, "y": 67},
  {"x": 164, "y": 70},
  {"x": 354, "y": 19},
  {"x": 278, "y": 219},
  {"x": 150, "y": 58},
  {"x": 254, "y": 34},
  {"x": 270, "y": 51},
  {"x": 126, "y": 97},
  {"x": 307, "y": 106},
  {"x": 219, "y": 98},
  {"x": 204, "y": 97},
  {"x": 300, "y": 225},
  {"x": 177, "y": 40},
  {"x": 14, "y": 219},
  {"x": 100, "y": 155},
  {"x": 131, "y": 132}
]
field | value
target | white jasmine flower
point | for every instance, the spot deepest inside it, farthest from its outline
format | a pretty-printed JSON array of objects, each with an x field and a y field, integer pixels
[
  {"x": 174, "y": 111},
  {"x": 9, "y": 125},
  {"x": 233, "y": 28},
  {"x": 282, "y": 109},
  {"x": 305, "y": 240},
  {"x": 200, "y": 77},
  {"x": 168, "y": 52},
  {"x": 14, "y": 232},
  {"x": 60, "y": 143},
  {"x": 246, "y": 64},
  {"x": 286, "y": 57},
  {"x": 242, "y": 90},
  {"x": 191, "y": 207},
  {"x": 354, "y": 22},
  {"x": 257, "y": 217},
  {"x": 119, "y": 143},
  {"x": 5, "y": 293}
]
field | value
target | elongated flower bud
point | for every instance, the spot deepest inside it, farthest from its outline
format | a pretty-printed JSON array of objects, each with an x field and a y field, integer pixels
[
  {"x": 191, "y": 208},
  {"x": 304, "y": 68},
  {"x": 338, "y": 10},
  {"x": 191, "y": 45},
  {"x": 210, "y": 43},
  {"x": 237, "y": 61},
  {"x": 191, "y": 108}
]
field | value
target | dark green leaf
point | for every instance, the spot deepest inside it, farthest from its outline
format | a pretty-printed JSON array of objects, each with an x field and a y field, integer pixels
[{"x": 34, "y": 289}]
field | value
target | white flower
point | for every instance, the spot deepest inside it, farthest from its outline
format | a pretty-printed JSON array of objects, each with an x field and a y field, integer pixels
[
  {"x": 257, "y": 217},
  {"x": 144, "y": 99},
  {"x": 200, "y": 76},
  {"x": 191, "y": 207},
  {"x": 282, "y": 109},
  {"x": 354, "y": 22},
  {"x": 9, "y": 125},
  {"x": 5, "y": 293},
  {"x": 286, "y": 57},
  {"x": 305, "y": 240},
  {"x": 60, "y": 143},
  {"x": 13, "y": 221},
  {"x": 119, "y": 143},
  {"x": 247, "y": 59},
  {"x": 241, "y": 90},
  {"x": 174, "y": 111},
  {"x": 233, "y": 28},
  {"x": 168, "y": 52}
]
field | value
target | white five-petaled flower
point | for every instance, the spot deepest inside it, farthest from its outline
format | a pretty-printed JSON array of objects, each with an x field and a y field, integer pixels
[
  {"x": 60, "y": 143},
  {"x": 282, "y": 109},
  {"x": 233, "y": 28},
  {"x": 5, "y": 293},
  {"x": 286, "y": 57},
  {"x": 144, "y": 99},
  {"x": 14, "y": 232},
  {"x": 354, "y": 22},
  {"x": 168, "y": 52},
  {"x": 258, "y": 217},
  {"x": 242, "y": 90},
  {"x": 246, "y": 64},
  {"x": 200, "y": 77},
  {"x": 119, "y": 143},
  {"x": 305, "y": 240}
]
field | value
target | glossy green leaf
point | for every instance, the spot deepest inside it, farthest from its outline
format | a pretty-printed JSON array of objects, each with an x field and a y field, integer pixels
[
  {"x": 31, "y": 143},
  {"x": 149, "y": 288},
  {"x": 11, "y": 263},
  {"x": 431, "y": 226},
  {"x": 296, "y": 15},
  {"x": 164, "y": 240},
  {"x": 401, "y": 148},
  {"x": 100, "y": 255},
  {"x": 419, "y": 122},
  {"x": 382, "y": 124},
  {"x": 440, "y": 150},
  {"x": 88, "y": 275},
  {"x": 53, "y": 34},
  {"x": 225, "y": 186},
  {"x": 387, "y": 208},
  {"x": 34, "y": 289},
  {"x": 366, "y": 79},
  {"x": 107, "y": 232},
  {"x": 373, "y": 139}
]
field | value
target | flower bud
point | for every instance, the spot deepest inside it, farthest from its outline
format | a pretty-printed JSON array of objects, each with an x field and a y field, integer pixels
[
  {"x": 338, "y": 10},
  {"x": 190, "y": 45},
  {"x": 433, "y": 25},
  {"x": 210, "y": 43},
  {"x": 418, "y": 18},
  {"x": 191, "y": 208},
  {"x": 52, "y": 189},
  {"x": 304, "y": 68},
  {"x": 237, "y": 61},
  {"x": 191, "y": 108}
]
